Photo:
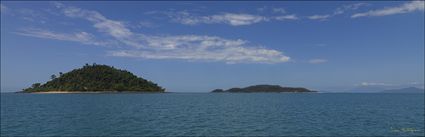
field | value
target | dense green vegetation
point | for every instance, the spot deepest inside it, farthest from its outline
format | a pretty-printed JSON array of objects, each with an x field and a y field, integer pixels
[
  {"x": 96, "y": 78},
  {"x": 263, "y": 88}
]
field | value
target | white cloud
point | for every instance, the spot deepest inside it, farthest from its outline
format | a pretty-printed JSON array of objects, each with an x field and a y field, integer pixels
[
  {"x": 405, "y": 8},
  {"x": 345, "y": 8},
  {"x": 185, "y": 47},
  {"x": 205, "y": 48},
  {"x": 319, "y": 17},
  {"x": 337, "y": 11},
  {"x": 58, "y": 4},
  {"x": 317, "y": 61},
  {"x": 81, "y": 37},
  {"x": 237, "y": 19},
  {"x": 234, "y": 19},
  {"x": 275, "y": 10},
  {"x": 114, "y": 28},
  {"x": 375, "y": 84},
  {"x": 287, "y": 17}
]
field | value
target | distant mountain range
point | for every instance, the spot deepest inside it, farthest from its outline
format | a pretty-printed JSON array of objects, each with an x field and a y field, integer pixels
[{"x": 404, "y": 90}]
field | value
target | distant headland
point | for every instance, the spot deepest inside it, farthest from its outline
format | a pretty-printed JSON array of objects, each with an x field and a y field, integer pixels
[
  {"x": 263, "y": 89},
  {"x": 95, "y": 78}
]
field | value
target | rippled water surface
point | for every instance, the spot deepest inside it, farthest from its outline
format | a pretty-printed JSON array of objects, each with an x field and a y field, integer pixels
[{"x": 212, "y": 114}]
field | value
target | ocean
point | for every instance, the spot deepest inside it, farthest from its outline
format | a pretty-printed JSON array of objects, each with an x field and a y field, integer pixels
[{"x": 214, "y": 114}]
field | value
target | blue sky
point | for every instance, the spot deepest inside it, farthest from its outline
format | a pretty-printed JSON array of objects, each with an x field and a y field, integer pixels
[{"x": 200, "y": 46}]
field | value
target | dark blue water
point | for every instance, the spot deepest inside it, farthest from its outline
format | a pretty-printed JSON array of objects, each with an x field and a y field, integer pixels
[{"x": 177, "y": 114}]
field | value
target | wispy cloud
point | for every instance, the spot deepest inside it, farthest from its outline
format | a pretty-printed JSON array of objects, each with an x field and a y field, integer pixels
[
  {"x": 272, "y": 10},
  {"x": 337, "y": 11},
  {"x": 233, "y": 19},
  {"x": 344, "y": 8},
  {"x": 279, "y": 10},
  {"x": 317, "y": 61},
  {"x": 27, "y": 14},
  {"x": 242, "y": 19},
  {"x": 375, "y": 84},
  {"x": 286, "y": 17},
  {"x": 405, "y": 8},
  {"x": 184, "y": 47},
  {"x": 116, "y": 29},
  {"x": 319, "y": 17},
  {"x": 81, "y": 37},
  {"x": 32, "y": 15},
  {"x": 204, "y": 48},
  {"x": 146, "y": 24}
]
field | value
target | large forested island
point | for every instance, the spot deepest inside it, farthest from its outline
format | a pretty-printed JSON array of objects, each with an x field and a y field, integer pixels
[
  {"x": 95, "y": 78},
  {"x": 263, "y": 88}
]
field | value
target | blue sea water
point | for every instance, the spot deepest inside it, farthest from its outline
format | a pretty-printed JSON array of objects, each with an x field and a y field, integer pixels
[{"x": 181, "y": 114}]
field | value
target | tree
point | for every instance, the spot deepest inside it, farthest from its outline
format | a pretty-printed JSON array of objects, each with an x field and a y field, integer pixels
[
  {"x": 53, "y": 76},
  {"x": 36, "y": 85},
  {"x": 60, "y": 74},
  {"x": 119, "y": 87}
]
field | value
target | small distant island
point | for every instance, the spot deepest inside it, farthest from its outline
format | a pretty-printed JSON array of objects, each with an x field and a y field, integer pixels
[
  {"x": 263, "y": 89},
  {"x": 95, "y": 78}
]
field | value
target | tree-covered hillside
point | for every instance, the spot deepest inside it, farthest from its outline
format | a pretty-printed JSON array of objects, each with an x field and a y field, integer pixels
[{"x": 96, "y": 78}]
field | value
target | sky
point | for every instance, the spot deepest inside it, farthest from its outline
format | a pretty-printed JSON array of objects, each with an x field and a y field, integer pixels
[{"x": 200, "y": 46}]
